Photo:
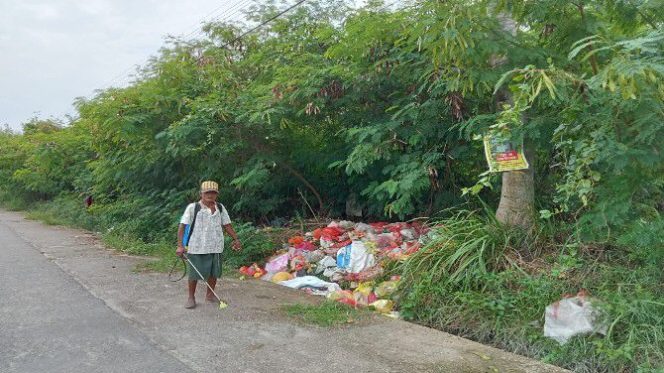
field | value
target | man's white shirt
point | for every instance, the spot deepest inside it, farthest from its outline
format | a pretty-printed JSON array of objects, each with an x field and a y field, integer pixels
[{"x": 208, "y": 234}]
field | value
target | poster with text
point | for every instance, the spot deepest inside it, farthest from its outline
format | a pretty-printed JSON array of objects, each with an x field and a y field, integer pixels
[{"x": 504, "y": 154}]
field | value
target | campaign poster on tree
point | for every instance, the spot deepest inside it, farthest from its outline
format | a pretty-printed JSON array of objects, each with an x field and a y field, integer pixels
[{"x": 504, "y": 153}]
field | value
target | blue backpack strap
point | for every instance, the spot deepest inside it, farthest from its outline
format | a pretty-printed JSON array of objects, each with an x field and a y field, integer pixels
[{"x": 190, "y": 231}]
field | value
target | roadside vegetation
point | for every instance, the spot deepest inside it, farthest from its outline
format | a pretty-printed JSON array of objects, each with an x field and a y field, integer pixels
[{"x": 378, "y": 113}]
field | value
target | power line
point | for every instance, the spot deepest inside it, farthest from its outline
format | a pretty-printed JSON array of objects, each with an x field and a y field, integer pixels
[
  {"x": 300, "y": 2},
  {"x": 264, "y": 23},
  {"x": 234, "y": 10},
  {"x": 238, "y": 10},
  {"x": 123, "y": 76}
]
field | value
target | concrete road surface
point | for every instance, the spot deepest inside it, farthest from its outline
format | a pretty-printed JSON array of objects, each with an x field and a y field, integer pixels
[
  {"x": 67, "y": 304},
  {"x": 50, "y": 323}
]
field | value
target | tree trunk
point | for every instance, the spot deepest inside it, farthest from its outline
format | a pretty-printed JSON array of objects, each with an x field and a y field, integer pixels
[{"x": 517, "y": 195}]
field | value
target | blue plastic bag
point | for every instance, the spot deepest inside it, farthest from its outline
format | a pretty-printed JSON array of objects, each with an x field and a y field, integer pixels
[{"x": 343, "y": 257}]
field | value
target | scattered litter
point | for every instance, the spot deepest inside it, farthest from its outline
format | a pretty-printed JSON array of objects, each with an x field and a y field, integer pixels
[
  {"x": 347, "y": 253},
  {"x": 572, "y": 316},
  {"x": 386, "y": 288}
]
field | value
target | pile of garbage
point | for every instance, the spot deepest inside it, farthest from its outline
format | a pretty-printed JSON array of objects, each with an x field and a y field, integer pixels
[{"x": 345, "y": 253}]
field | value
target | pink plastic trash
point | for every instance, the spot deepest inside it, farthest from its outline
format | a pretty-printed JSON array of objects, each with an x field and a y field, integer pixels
[{"x": 277, "y": 264}]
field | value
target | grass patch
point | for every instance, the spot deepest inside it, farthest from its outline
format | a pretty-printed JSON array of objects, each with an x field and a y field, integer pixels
[
  {"x": 43, "y": 217},
  {"x": 327, "y": 314},
  {"x": 63, "y": 210}
]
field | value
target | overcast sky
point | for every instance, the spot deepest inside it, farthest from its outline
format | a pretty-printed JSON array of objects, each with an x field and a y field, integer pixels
[{"x": 52, "y": 51}]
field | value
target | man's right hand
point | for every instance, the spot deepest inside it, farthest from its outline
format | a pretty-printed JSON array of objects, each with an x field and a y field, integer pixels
[{"x": 180, "y": 251}]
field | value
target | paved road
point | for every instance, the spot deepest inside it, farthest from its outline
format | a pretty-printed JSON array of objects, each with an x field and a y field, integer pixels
[{"x": 50, "y": 323}]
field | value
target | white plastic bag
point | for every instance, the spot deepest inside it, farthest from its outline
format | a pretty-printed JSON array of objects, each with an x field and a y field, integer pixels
[
  {"x": 311, "y": 282},
  {"x": 360, "y": 258},
  {"x": 571, "y": 316},
  {"x": 325, "y": 264}
]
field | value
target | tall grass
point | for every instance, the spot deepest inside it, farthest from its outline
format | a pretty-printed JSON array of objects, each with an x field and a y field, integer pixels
[
  {"x": 471, "y": 280},
  {"x": 464, "y": 247}
]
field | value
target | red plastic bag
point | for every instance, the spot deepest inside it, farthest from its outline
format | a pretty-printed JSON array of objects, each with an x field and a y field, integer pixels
[
  {"x": 306, "y": 246},
  {"x": 296, "y": 240}
]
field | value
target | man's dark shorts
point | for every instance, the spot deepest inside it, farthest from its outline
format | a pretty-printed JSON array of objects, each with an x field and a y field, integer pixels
[{"x": 209, "y": 265}]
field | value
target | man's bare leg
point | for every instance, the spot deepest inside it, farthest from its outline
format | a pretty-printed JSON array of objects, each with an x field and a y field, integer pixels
[
  {"x": 191, "y": 302},
  {"x": 212, "y": 281}
]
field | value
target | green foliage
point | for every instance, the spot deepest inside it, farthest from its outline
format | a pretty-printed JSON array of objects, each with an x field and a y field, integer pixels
[
  {"x": 464, "y": 247},
  {"x": 375, "y": 105},
  {"x": 257, "y": 245}
]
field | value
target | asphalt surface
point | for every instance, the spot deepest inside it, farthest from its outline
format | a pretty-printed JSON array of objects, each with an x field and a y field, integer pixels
[
  {"x": 50, "y": 323},
  {"x": 68, "y": 304}
]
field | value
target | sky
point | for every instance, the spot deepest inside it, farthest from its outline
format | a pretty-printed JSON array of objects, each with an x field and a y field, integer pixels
[{"x": 52, "y": 51}]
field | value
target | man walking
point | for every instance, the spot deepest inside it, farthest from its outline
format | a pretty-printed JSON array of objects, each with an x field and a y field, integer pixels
[{"x": 207, "y": 219}]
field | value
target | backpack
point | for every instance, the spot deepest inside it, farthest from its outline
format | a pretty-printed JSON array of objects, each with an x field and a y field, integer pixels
[{"x": 190, "y": 229}]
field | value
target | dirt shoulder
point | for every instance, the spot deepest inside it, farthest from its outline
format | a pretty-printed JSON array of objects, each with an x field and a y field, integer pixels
[{"x": 253, "y": 334}]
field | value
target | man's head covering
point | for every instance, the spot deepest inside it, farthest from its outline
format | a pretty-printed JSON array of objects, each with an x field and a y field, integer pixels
[{"x": 209, "y": 186}]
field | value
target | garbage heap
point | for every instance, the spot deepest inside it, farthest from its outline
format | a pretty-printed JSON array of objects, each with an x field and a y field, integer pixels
[{"x": 345, "y": 261}]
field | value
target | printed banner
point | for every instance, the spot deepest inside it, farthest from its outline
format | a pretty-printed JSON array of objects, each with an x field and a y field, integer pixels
[{"x": 504, "y": 154}]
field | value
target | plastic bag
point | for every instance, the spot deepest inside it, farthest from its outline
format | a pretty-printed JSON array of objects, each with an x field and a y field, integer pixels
[
  {"x": 295, "y": 240},
  {"x": 343, "y": 296},
  {"x": 363, "y": 227},
  {"x": 306, "y": 246},
  {"x": 281, "y": 276},
  {"x": 363, "y": 294},
  {"x": 333, "y": 273},
  {"x": 326, "y": 243},
  {"x": 343, "y": 257},
  {"x": 383, "y": 305},
  {"x": 313, "y": 256},
  {"x": 360, "y": 258},
  {"x": 277, "y": 264},
  {"x": 366, "y": 275},
  {"x": 298, "y": 263},
  {"x": 327, "y": 262},
  {"x": 386, "y": 288},
  {"x": 312, "y": 282},
  {"x": 327, "y": 266},
  {"x": 571, "y": 316},
  {"x": 408, "y": 234}
]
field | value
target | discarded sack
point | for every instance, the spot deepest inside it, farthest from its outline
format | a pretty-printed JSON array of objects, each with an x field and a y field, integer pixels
[
  {"x": 571, "y": 316},
  {"x": 311, "y": 282},
  {"x": 360, "y": 258}
]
